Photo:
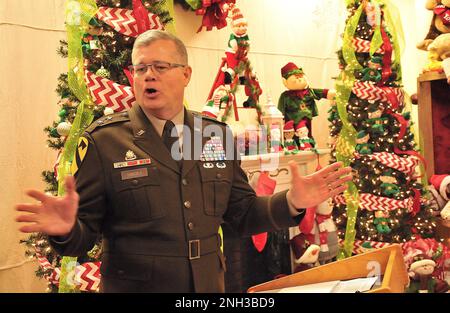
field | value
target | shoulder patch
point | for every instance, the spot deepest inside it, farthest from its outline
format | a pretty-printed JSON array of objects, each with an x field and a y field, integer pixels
[
  {"x": 109, "y": 119},
  {"x": 80, "y": 154}
]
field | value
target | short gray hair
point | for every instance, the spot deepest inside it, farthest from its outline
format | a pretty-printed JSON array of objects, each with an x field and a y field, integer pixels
[{"x": 150, "y": 36}]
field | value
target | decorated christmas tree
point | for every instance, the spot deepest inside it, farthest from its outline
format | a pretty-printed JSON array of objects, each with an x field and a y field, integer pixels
[
  {"x": 100, "y": 35},
  {"x": 372, "y": 132}
]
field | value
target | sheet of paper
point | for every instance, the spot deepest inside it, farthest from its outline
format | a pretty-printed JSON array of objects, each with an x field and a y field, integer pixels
[
  {"x": 355, "y": 285},
  {"x": 325, "y": 287}
]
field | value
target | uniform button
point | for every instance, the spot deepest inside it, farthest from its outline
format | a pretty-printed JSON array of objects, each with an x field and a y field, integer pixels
[
  {"x": 120, "y": 272},
  {"x": 219, "y": 175},
  {"x": 135, "y": 182},
  {"x": 191, "y": 226},
  {"x": 184, "y": 182},
  {"x": 187, "y": 204}
]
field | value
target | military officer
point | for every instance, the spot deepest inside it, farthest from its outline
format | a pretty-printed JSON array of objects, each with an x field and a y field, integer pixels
[{"x": 159, "y": 216}]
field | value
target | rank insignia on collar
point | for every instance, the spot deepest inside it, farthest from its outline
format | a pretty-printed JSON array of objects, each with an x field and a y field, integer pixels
[
  {"x": 130, "y": 156},
  {"x": 213, "y": 150}
]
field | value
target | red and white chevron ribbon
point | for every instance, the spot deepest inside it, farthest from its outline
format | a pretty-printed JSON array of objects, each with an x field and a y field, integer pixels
[
  {"x": 123, "y": 21},
  {"x": 369, "y": 91},
  {"x": 372, "y": 202},
  {"x": 406, "y": 165},
  {"x": 358, "y": 248},
  {"x": 106, "y": 92},
  {"x": 362, "y": 45},
  {"x": 88, "y": 276}
]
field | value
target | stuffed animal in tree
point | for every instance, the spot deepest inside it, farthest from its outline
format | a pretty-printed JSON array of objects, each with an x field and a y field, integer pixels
[{"x": 299, "y": 101}]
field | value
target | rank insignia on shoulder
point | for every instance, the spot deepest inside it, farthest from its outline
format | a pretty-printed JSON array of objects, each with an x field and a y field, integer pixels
[
  {"x": 80, "y": 154},
  {"x": 130, "y": 155},
  {"x": 213, "y": 150}
]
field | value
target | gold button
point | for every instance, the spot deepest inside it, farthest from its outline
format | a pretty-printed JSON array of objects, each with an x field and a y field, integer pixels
[
  {"x": 187, "y": 204},
  {"x": 191, "y": 226},
  {"x": 135, "y": 182},
  {"x": 184, "y": 182},
  {"x": 219, "y": 175}
]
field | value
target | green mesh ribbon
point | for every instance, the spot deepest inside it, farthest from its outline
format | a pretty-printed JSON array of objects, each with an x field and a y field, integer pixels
[
  {"x": 170, "y": 27},
  {"x": 78, "y": 14},
  {"x": 345, "y": 145}
]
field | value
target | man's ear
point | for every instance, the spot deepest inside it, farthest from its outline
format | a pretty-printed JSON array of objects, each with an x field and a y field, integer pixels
[
  {"x": 187, "y": 75},
  {"x": 284, "y": 82}
]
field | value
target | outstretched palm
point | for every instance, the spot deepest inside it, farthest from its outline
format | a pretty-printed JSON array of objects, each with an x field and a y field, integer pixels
[
  {"x": 311, "y": 190},
  {"x": 54, "y": 216}
]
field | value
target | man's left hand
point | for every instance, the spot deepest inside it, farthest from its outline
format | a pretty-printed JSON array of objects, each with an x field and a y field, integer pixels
[{"x": 311, "y": 190}]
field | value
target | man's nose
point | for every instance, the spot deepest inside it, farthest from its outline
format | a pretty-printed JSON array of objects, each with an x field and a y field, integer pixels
[{"x": 149, "y": 74}]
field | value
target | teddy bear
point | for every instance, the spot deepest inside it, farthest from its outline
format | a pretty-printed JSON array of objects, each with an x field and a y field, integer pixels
[
  {"x": 440, "y": 49},
  {"x": 440, "y": 24}
]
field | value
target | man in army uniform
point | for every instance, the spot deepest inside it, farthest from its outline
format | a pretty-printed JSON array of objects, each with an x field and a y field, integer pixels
[{"x": 159, "y": 216}]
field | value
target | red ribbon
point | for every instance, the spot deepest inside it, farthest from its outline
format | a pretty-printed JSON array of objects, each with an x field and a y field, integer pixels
[
  {"x": 416, "y": 203},
  {"x": 387, "y": 71},
  {"x": 129, "y": 76},
  {"x": 140, "y": 13},
  {"x": 403, "y": 125},
  {"x": 443, "y": 12}
]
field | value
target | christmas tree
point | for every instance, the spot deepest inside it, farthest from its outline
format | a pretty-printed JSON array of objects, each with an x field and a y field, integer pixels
[
  {"x": 371, "y": 129},
  {"x": 106, "y": 46}
]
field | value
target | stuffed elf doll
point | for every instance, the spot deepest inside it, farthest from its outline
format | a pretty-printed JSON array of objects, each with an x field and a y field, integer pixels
[
  {"x": 238, "y": 44},
  {"x": 290, "y": 147},
  {"x": 373, "y": 70},
  {"x": 381, "y": 222},
  {"x": 90, "y": 40},
  {"x": 375, "y": 120},
  {"x": 304, "y": 142},
  {"x": 220, "y": 100},
  {"x": 298, "y": 102},
  {"x": 362, "y": 145},
  {"x": 389, "y": 183}
]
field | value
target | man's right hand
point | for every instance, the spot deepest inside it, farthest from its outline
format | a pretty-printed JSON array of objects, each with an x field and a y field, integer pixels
[{"x": 54, "y": 216}]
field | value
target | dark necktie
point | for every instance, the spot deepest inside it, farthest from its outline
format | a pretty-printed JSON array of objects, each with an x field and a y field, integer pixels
[{"x": 170, "y": 140}]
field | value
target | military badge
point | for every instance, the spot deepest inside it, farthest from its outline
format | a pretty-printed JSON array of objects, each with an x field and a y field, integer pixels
[
  {"x": 130, "y": 156},
  {"x": 213, "y": 150},
  {"x": 80, "y": 154}
]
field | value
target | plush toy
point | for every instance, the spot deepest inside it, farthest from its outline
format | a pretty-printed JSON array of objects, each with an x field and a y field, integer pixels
[
  {"x": 298, "y": 102},
  {"x": 362, "y": 145},
  {"x": 306, "y": 254},
  {"x": 389, "y": 184},
  {"x": 220, "y": 99},
  {"x": 440, "y": 50},
  {"x": 275, "y": 139},
  {"x": 319, "y": 228},
  {"x": 421, "y": 272},
  {"x": 252, "y": 91},
  {"x": 290, "y": 147},
  {"x": 304, "y": 142},
  {"x": 376, "y": 122},
  {"x": 90, "y": 39},
  {"x": 238, "y": 44},
  {"x": 440, "y": 188},
  {"x": 381, "y": 222},
  {"x": 373, "y": 70},
  {"x": 440, "y": 24}
]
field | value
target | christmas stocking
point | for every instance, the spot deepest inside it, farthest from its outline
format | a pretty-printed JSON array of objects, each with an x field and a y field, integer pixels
[{"x": 264, "y": 186}]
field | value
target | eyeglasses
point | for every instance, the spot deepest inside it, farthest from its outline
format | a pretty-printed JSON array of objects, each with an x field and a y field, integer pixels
[{"x": 158, "y": 67}]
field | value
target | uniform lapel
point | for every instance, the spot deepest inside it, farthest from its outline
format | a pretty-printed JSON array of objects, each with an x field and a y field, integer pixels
[
  {"x": 146, "y": 137},
  {"x": 191, "y": 146}
]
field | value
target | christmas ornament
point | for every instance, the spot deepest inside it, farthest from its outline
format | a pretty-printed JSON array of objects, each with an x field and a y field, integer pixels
[
  {"x": 90, "y": 40},
  {"x": 381, "y": 221},
  {"x": 63, "y": 128},
  {"x": 362, "y": 145},
  {"x": 389, "y": 186},
  {"x": 103, "y": 72}
]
